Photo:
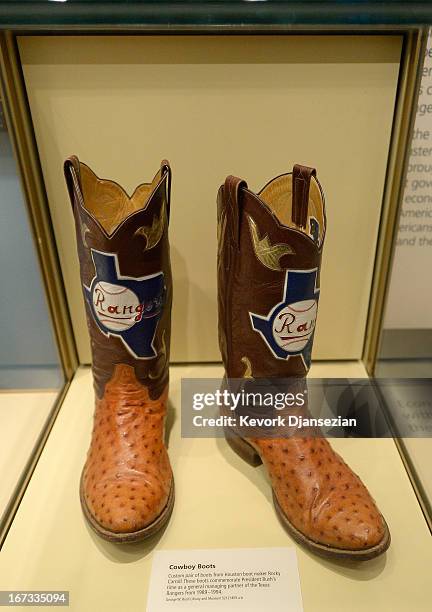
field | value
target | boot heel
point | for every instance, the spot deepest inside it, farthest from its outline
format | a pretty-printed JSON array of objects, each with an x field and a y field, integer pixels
[{"x": 242, "y": 448}]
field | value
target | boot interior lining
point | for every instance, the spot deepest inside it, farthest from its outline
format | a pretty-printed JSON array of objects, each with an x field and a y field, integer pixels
[
  {"x": 108, "y": 202},
  {"x": 278, "y": 197}
]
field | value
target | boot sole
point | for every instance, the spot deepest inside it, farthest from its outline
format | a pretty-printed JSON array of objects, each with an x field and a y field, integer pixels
[
  {"x": 247, "y": 452},
  {"x": 133, "y": 536}
]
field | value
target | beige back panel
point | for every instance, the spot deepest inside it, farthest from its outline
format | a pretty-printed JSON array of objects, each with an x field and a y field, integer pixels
[{"x": 250, "y": 106}]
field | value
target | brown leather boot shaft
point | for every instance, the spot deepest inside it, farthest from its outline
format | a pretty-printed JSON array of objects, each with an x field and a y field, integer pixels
[
  {"x": 125, "y": 267},
  {"x": 269, "y": 274}
]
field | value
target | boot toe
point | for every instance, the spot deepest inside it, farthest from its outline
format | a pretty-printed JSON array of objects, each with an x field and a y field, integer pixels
[
  {"x": 342, "y": 528},
  {"x": 126, "y": 505},
  {"x": 347, "y": 521}
]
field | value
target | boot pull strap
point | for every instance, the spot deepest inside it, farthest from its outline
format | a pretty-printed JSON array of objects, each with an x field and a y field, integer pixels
[
  {"x": 301, "y": 178},
  {"x": 72, "y": 172},
  {"x": 232, "y": 188},
  {"x": 165, "y": 167}
]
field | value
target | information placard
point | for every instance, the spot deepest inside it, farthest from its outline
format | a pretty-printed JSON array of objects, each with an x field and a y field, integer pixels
[{"x": 251, "y": 579}]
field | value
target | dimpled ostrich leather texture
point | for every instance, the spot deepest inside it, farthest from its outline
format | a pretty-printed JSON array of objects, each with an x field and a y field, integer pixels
[
  {"x": 127, "y": 482},
  {"x": 127, "y": 477},
  {"x": 319, "y": 494},
  {"x": 269, "y": 257}
]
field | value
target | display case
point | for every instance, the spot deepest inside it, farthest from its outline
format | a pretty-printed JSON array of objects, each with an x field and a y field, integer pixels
[{"x": 223, "y": 88}]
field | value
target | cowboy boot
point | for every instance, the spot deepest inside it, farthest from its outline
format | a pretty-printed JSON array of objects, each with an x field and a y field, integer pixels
[
  {"x": 127, "y": 487},
  {"x": 269, "y": 258}
]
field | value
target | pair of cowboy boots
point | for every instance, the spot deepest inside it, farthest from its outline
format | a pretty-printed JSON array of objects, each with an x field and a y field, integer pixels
[{"x": 269, "y": 258}]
